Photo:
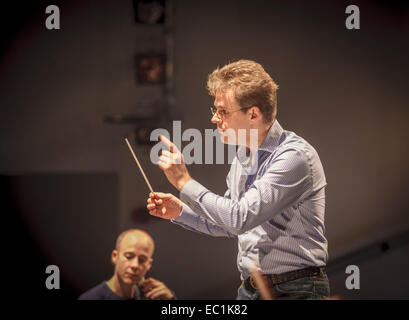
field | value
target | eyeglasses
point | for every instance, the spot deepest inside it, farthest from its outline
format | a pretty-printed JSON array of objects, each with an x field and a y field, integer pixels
[{"x": 223, "y": 113}]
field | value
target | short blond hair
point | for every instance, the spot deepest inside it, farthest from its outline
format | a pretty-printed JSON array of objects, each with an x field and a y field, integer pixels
[{"x": 251, "y": 85}]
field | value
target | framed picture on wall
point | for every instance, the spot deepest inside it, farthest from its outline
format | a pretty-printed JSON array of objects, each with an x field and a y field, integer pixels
[
  {"x": 150, "y": 68},
  {"x": 149, "y": 11}
]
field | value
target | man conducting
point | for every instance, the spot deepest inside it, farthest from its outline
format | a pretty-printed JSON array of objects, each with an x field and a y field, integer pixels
[
  {"x": 132, "y": 258},
  {"x": 275, "y": 205}
]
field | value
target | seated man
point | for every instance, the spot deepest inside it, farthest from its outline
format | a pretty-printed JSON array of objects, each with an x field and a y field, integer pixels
[{"x": 132, "y": 258}]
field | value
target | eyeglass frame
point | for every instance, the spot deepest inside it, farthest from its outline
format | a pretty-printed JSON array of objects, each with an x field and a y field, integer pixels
[{"x": 214, "y": 111}]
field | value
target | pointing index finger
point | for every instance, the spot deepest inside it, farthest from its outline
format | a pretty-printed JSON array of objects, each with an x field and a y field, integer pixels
[{"x": 172, "y": 147}]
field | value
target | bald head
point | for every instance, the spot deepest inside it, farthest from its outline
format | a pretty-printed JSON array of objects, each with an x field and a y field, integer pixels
[
  {"x": 132, "y": 256},
  {"x": 135, "y": 236}
]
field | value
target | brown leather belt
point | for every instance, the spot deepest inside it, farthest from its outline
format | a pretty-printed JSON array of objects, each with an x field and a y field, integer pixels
[{"x": 273, "y": 279}]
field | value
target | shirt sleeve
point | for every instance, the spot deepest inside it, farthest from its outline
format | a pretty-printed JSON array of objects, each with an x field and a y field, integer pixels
[
  {"x": 188, "y": 219},
  {"x": 287, "y": 179},
  {"x": 193, "y": 222}
]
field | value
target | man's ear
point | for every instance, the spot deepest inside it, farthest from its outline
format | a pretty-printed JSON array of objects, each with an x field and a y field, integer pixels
[
  {"x": 255, "y": 112},
  {"x": 114, "y": 256}
]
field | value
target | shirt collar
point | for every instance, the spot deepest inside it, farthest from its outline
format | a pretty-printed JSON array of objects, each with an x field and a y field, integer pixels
[
  {"x": 272, "y": 139},
  {"x": 270, "y": 142}
]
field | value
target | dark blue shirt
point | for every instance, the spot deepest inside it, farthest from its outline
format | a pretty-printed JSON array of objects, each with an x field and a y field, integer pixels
[{"x": 103, "y": 292}]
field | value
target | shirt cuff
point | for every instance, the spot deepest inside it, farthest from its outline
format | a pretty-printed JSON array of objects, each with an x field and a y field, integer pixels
[
  {"x": 191, "y": 193},
  {"x": 185, "y": 215}
]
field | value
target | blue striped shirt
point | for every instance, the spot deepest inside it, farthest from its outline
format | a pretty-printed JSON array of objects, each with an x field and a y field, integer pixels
[{"x": 277, "y": 213}]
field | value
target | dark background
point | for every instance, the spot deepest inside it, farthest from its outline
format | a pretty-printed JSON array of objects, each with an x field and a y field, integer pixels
[{"x": 70, "y": 185}]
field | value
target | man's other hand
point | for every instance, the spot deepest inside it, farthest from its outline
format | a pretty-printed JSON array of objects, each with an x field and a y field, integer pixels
[
  {"x": 164, "y": 205},
  {"x": 155, "y": 289}
]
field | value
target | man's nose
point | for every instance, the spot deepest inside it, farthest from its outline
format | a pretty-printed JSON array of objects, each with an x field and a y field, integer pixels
[
  {"x": 134, "y": 263},
  {"x": 215, "y": 118}
]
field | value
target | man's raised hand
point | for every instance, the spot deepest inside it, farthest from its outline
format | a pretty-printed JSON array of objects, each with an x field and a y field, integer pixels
[{"x": 173, "y": 165}]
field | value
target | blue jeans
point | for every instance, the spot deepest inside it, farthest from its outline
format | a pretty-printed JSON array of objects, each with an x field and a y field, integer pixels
[{"x": 308, "y": 288}]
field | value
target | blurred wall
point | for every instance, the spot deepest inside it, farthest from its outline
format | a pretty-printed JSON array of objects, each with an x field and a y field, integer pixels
[{"x": 344, "y": 91}]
